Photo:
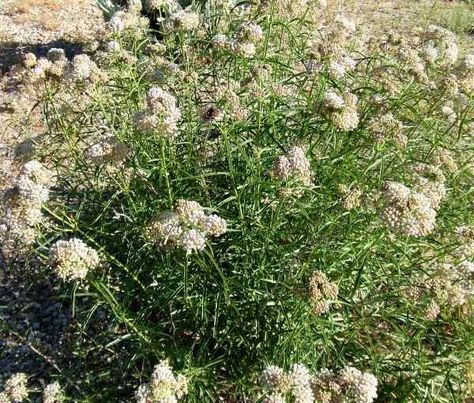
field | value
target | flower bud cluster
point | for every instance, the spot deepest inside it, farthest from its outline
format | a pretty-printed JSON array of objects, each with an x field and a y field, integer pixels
[
  {"x": 186, "y": 226},
  {"x": 349, "y": 385}
]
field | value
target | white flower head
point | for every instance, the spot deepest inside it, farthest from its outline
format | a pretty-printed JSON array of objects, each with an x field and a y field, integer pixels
[
  {"x": 16, "y": 387},
  {"x": 53, "y": 393},
  {"x": 192, "y": 241},
  {"x": 73, "y": 259}
]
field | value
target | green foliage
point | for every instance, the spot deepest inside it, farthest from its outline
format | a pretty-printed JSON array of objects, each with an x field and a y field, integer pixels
[{"x": 220, "y": 315}]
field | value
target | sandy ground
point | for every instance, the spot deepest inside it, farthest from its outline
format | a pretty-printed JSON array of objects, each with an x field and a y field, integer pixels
[
  {"x": 381, "y": 16},
  {"x": 38, "y": 24},
  {"x": 34, "y": 323}
]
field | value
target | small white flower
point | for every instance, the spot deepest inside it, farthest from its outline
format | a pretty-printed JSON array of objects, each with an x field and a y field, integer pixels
[
  {"x": 215, "y": 225},
  {"x": 193, "y": 241}
]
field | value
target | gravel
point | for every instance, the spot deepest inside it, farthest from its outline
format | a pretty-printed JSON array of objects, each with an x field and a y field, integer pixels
[
  {"x": 34, "y": 322},
  {"x": 36, "y": 326}
]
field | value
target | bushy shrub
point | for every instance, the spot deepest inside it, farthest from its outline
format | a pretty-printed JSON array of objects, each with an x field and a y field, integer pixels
[{"x": 262, "y": 194}]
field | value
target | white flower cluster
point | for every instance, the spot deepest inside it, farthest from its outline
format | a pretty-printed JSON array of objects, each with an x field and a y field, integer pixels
[
  {"x": 21, "y": 206},
  {"x": 447, "y": 110},
  {"x": 386, "y": 127},
  {"x": 130, "y": 20},
  {"x": 407, "y": 211},
  {"x": 432, "y": 311},
  {"x": 321, "y": 292},
  {"x": 73, "y": 259},
  {"x": 16, "y": 390},
  {"x": 359, "y": 386},
  {"x": 107, "y": 149},
  {"x": 453, "y": 284},
  {"x": 350, "y": 385},
  {"x": 445, "y": 159},
  {"x": 153, "y": 5},
  {"x": 464, "y": 236},
  {"x": 158, "y": 5},
  {"x": 413, "y": 211},
  {"x": 327, "y": 46},
  {"x": 113, "y": 46},
  {"x": 56, "y": 54},
  {"x": 332, "y": 101},
  {"x": 450, "y": 85},
  {"x": 296, "y": 382},
  {"x": 29, "y": 60},
  {"x": 244, "y": 49},
  {"x": 117, "y": 23},
  {"x": 161, "y": 114},
  {"x": 293, "y": 165},
  {"x": 185, "y": 20},
  {"x": 56, "y": 65},
  {"x": 429, "y": 53},
  {"x": 412, "y": 63},
  {"x": 466, "y": 74},
  {"x": 430, "y": 180},
  {"x": 339, "y": 66},
  {"x": 465, "y": 276},
  {"x": 443, "y": 44},
  {"x": 351, "y": 196},
  {"x": 449, "y": 285},
  {"x": 164, "y": 386},
  {"x": 249, "y": 32},
  {"x": 244, "y": 40},
  {"x": 341, "y": 109},
  {"x": 82, "y": 68},
  {"x": 274, "y": 397},
  {"x": 186, "y": 226},
  {"x": 221, "y": 41},
  {"x": 134, "y": 6},
  {"x": 300, "y": 379},
  {"x": 386, "y": 78},
  {"x": 274, "y": 377},
  {"x": 53, "y": 393}
]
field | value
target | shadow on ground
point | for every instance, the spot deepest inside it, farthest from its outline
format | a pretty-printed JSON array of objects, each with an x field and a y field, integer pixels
[{"x": 11, "y": 52}]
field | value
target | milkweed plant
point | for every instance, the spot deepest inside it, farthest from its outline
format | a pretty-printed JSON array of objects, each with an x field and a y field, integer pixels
[{"x": 269, "y": 203}]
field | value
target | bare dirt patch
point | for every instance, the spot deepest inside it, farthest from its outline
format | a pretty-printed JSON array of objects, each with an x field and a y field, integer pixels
[
  {"x": 35, "y": 25},
  {"x": 404, "y": 15}
]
